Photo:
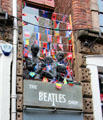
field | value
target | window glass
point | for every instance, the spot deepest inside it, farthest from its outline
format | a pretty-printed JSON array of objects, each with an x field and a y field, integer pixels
[
  {"x": 101, "y": 19},
  {"x": 101, "y": 28},
  {"x": 101, "y": 22},
  {"x": 45, "y": 115},
  {"x": 101, "y": 90},
  {"x": 100, "y": 3}
]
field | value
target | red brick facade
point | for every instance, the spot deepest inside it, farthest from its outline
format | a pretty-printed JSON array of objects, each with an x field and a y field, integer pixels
[
  {"x": 7, "y": 6},
  {"x": 81, "y": 14},
  {"x": 80, "y": 10},
  {"x": 63, "y": 6},
  {"x": 19, "y": 4}
]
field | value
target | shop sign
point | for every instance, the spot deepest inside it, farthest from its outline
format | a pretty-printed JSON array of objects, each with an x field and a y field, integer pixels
[
  {"x": 38, "y": 94},
  {"x": 44, "y": 2}
]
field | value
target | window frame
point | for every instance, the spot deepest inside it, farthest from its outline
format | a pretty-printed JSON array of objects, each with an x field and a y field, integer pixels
[{"x": 100, "y": 12}]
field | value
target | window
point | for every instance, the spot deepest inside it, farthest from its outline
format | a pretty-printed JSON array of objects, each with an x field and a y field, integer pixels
[
  {"x": 100, "y": 3},
  {"x": 41, "y": 28},
  {"x": 45, "y": 114},
  {"x": 101, "y": 89},
  {"x": 94, "y": 63}
]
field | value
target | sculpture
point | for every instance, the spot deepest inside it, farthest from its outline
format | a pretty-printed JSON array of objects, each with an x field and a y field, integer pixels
[{"x": 52, "y": 70}]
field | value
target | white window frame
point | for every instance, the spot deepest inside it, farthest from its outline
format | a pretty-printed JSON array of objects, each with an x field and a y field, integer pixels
[{"x": 93, "y": 61}]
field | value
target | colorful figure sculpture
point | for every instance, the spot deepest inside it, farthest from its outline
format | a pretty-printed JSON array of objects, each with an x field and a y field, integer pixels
[
  {"x": 32, "y": 63},
  {"x": 60, "y": 67},
  {"x": 48, "y": 69}
]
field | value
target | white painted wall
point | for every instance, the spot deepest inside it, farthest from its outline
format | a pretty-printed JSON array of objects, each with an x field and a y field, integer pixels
[
  {"x": 5, "y": 63},
  {"x": 92, "y": 63}
]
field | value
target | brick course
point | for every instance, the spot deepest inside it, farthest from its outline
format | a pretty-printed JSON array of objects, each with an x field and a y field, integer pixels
[
  {"x": 81, "y": 14},
  {"x": 19, "y": 5},
  {"x": 63, "y": 6}
]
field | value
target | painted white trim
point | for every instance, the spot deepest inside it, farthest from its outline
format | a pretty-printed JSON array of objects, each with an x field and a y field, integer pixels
[
  {"x": 5, "y": 66},
  {"x": 92, "y": 63}
]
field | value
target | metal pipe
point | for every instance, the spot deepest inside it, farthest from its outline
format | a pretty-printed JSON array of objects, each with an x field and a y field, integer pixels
[
  {"x": 28, "y": 108},
  {"x": 15, "y": 37}
]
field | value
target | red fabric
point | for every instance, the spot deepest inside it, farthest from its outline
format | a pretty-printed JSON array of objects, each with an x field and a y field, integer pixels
[
  {"x": 45, "y": 79},
  {"x": 44, "y": 52},
  {"x": 70, "y": 47},
  {"x": 25, "y": 52},
  {"x": 69, "y": 56},
  {"x": 37, "y": 18},
  {"x": 101, "y": 96},
  {"x": 64, "y": 18},
  {"x": 61, "y": 46},
  {"x": 69, "y": 71},
  {"x": 55, "y": 24},
  {"x": 69, "y": 27},
  {"x": 54, "y": 15},
  {"x": 44, "y": 45},
  {"x": 24, "y": 23},
  {"x": 24, "y": 14},
  {"x": 58, "y": 39},
  {"x": 71, "y": 84},
  {"x": 70, "y": 41}
]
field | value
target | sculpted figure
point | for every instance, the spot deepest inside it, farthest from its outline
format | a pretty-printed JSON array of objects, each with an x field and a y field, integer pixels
[
  {"x": 60, "y": 68},
  {"x": 48, "y": 69},
  {"x": 32, "y": 63}
]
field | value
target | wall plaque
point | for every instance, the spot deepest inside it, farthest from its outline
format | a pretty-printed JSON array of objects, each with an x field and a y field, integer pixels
[{"x": 39, "y": 94}]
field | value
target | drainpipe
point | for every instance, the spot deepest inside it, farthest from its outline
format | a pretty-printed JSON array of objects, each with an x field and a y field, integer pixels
[{"x": 15, "y": 37}]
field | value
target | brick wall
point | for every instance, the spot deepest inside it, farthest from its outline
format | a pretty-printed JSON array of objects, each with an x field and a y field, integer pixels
[
  {"x": 7, "y": 6},
  {"x": 63, "y": 6},
  {"x": 6, "y": 25},
  {"x": 81, "y": 14},
  {"x": 19, "y": 8},
  {"x": 80, "y": 10}
]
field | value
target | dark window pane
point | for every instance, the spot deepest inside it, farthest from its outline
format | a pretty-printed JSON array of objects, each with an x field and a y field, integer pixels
[
  {"x": 101, "y": 28},
  {"x": 47, "y": 115}
]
